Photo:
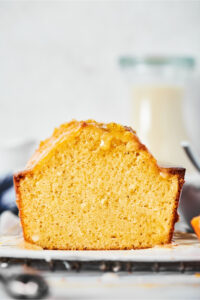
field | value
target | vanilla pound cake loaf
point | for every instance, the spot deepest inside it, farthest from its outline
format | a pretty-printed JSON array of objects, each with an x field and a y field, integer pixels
[{"x": 95, "y": 186}]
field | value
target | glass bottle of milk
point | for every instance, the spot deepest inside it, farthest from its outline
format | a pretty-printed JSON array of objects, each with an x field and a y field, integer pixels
[{"x": 157, "y": 92}]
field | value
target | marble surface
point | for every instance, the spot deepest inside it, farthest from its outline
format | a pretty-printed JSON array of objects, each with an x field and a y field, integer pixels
[{"x": 121, "y": 285}]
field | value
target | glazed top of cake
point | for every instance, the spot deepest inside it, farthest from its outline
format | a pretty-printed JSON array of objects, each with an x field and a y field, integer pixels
[{"x": 67, "y": 131}]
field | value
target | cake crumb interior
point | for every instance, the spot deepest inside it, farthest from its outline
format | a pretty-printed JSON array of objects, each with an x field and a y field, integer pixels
[{"x": 98, "y": 192}]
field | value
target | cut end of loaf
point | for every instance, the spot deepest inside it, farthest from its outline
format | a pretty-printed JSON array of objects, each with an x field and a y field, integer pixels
[{"x": 95, "y": 186}]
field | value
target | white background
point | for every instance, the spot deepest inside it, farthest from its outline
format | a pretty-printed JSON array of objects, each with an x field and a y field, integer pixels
[{"x": 58, "y": 59}]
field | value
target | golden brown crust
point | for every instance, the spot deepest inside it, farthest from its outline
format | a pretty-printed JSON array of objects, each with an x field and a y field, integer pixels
[
  {"x": 181, "y": 174},
  {"x": 16, "y": 179},
  {"x": 58, "y": 134}
]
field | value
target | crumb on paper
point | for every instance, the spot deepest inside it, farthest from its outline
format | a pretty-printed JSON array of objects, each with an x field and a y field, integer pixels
[{"x": 35, "y": 237}]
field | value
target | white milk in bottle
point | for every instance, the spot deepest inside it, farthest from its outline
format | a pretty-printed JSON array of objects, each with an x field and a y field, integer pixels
[{"x": 157, "y": 93}]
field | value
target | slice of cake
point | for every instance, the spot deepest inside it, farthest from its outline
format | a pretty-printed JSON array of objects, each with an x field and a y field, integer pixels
[{"x": 95, "y": 186}]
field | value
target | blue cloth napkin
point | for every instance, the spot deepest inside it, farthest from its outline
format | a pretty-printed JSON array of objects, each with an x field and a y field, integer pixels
[{"x": 7, "y": 194}]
